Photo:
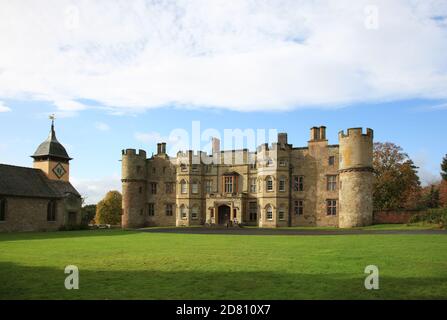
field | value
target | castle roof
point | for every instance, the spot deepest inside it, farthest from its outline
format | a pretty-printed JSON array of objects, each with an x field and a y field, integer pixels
[
  {"x": 30, "y": 182},
  {"x": 51, "y": 147}
]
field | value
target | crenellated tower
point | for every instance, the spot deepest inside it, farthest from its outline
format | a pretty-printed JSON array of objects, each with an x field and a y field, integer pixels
[
  {"x": 134, "y": 177},
  {"x": 356, "y": 178}
]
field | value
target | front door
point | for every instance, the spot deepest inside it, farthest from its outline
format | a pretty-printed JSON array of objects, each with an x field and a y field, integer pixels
[{"x": 224, "y": 214}]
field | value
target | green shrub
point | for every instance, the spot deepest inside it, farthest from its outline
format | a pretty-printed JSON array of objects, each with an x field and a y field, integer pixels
[{"x": 433, "y": 216}]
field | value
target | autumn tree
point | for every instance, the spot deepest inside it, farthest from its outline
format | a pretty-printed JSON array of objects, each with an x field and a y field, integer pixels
[
  {"x": 88, "y": 213},
  {"x": 430, "y": 197},
  {"x": 396, "y": 184},
  {"x": 108, "y": 210},
  {"x": 444, "y": 168}
]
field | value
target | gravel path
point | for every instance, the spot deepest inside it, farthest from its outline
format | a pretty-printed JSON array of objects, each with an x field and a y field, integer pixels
[{"x": 288, "y": 232}]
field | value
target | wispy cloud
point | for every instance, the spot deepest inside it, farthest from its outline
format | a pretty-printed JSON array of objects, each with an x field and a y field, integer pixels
[
  {"x": 4, "y": 108},
  {"x": 239, "y": 55},
  {"x": 101, "y": 126},
  {"x": 93, "y": 190}
]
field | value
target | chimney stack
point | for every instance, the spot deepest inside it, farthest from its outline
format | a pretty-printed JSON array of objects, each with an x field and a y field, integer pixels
[{"x": 215, "y": 145}]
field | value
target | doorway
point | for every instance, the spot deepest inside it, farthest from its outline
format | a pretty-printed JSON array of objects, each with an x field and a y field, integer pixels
[{"x": 223, "y": 214}]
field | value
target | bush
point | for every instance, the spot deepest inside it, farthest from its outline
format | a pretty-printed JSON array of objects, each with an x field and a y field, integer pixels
[{"x": 434, "y": 216}]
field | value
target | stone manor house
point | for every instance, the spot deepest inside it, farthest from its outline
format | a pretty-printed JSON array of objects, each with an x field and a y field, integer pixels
[{"x": 280, "y": 185}]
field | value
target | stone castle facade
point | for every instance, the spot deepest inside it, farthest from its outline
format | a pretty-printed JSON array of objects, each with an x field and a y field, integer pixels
[{"x": 275, "y": 186}]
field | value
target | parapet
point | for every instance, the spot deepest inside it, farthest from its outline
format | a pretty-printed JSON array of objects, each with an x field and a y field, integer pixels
[
  {"x": 133, "y": 152},
  {"x": 356, "y": 132}
]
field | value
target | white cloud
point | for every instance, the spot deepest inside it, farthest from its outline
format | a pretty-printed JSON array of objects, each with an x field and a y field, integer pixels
[
  {"x": 101, "y": 126},
  {"x": 240, "y": 55},
  {"x": 93, "y": 190},
  {"x": 4, "y": 108},
  {"x": 428, "y": 171}
]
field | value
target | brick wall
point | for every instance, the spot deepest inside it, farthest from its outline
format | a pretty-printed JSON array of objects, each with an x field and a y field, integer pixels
[{"x": 397, "y": 216}]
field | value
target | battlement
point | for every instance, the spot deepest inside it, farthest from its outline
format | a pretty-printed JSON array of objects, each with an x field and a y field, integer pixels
[
  {"x": 133, "y": 152},
  {"x": 356, "y": 132}
]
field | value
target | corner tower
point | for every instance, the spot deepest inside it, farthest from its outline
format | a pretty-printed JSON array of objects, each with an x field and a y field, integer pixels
[
  {"x": 356, "y": 178},
  {"x": 52, "y": 158},
  {"x": 133, "y": 178}
]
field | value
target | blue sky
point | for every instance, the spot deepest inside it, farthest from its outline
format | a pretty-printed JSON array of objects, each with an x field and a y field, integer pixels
[{"x": 121, "y": 74}]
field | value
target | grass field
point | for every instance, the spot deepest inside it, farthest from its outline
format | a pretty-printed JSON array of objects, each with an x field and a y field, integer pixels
[{"x": 116, "y": 264}]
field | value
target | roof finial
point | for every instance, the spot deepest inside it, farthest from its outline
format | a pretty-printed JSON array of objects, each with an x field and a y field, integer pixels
[{"x": 53, "y": 133}]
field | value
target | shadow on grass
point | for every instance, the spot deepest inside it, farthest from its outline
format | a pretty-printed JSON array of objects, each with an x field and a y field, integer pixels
[
  {"x": 14, "y": 236},
  {"x": 24, "y": 282}
]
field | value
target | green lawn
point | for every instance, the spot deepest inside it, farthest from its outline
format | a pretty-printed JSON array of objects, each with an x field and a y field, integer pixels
[{"x": 118, "y": 264}]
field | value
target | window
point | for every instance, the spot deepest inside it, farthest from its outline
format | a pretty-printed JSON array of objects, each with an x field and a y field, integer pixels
[
  {"x": 282, "y": 184},
  {"x": 154, "y": 170},
  {"x": 169, "y": 186},
  {"x": 194, "y": 212},
  {"x": 253, "y": 211},
  {"x": 183, "y": 168},
  {"x": 298, "y": 183},
  {"x": 282, "y": 163},
  {"x": 2, "y": 209},
  {"x": 183, "y": 187},
  {"x": 331, "y": 160},
  {"x": 234, "y": 213},
  {"x": 151, "y": 209},
  {"x": 195, "y": 187},
  {"x": 299, "y": 207},
  {"x": 331, "y": 183},
  {"x": 183, "y": 212},
  {"x": 153, "y": 188},
  {"x": 164, "y": 170},
  {"x": 168, "y": 209},
  {"x": 281, "y": 213},
  {"x": 228, "y": 184},
  {"x": 269, "y": 163},
  {"x": 331, "y": 206},
  {"x": 51, "y": 211},
  {"x": 253, "y": 165},
  {"x": 140, "y": 190},
  {"x": 253, "y": 185},
  {"x": 269, "y": 184},
  {"x": 207, "y": 168},
  {"x": 195, "y": 168},
  {"x": 269, "y": 213},
  {"x": 209, "y": 186}
]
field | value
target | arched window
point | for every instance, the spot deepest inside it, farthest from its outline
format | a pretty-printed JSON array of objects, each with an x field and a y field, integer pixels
[
  {"x": 51, "y": 210},
  {"x": 195, "y": 187},
  {"x": 182, "y": 212},
  {"x": 282, "y": 184},
  {"x": 183, "y": 187},
  {"x": 269, "y": 184},
  {"x": 195, "y": 212},
  {"x": 2, "y": 209},
  {"x": 269, "y": 212}
]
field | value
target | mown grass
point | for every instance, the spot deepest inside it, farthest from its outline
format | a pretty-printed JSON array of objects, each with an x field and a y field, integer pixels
[{"x": 116, "y": 264}]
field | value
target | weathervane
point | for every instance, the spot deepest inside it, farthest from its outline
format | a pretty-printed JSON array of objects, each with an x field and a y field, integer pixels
[{"x": 52, "y": 117}]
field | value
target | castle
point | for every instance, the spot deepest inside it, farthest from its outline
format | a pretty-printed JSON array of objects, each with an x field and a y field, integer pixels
[{"x": 276, "y": 186}]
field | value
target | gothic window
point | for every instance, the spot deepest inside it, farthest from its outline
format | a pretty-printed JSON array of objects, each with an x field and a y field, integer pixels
[
  {"x": 281, "y": 213},
  {"x": 153, "y": 188},
  {"x": 169, "y": 186},
  {"x": 182, "y": 212},
  {"x": 269, "y": 213},
  {"x": 282, "y": 163}
]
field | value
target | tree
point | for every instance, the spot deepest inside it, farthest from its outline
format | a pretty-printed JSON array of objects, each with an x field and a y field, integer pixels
[
  {"x": 88, "y": 213},
  {"x": 397, "y": 184},
  {"x": 431, "y": 197},
  {"x": 108, "y": 210},
  {"x": 444, "y": 168}
]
